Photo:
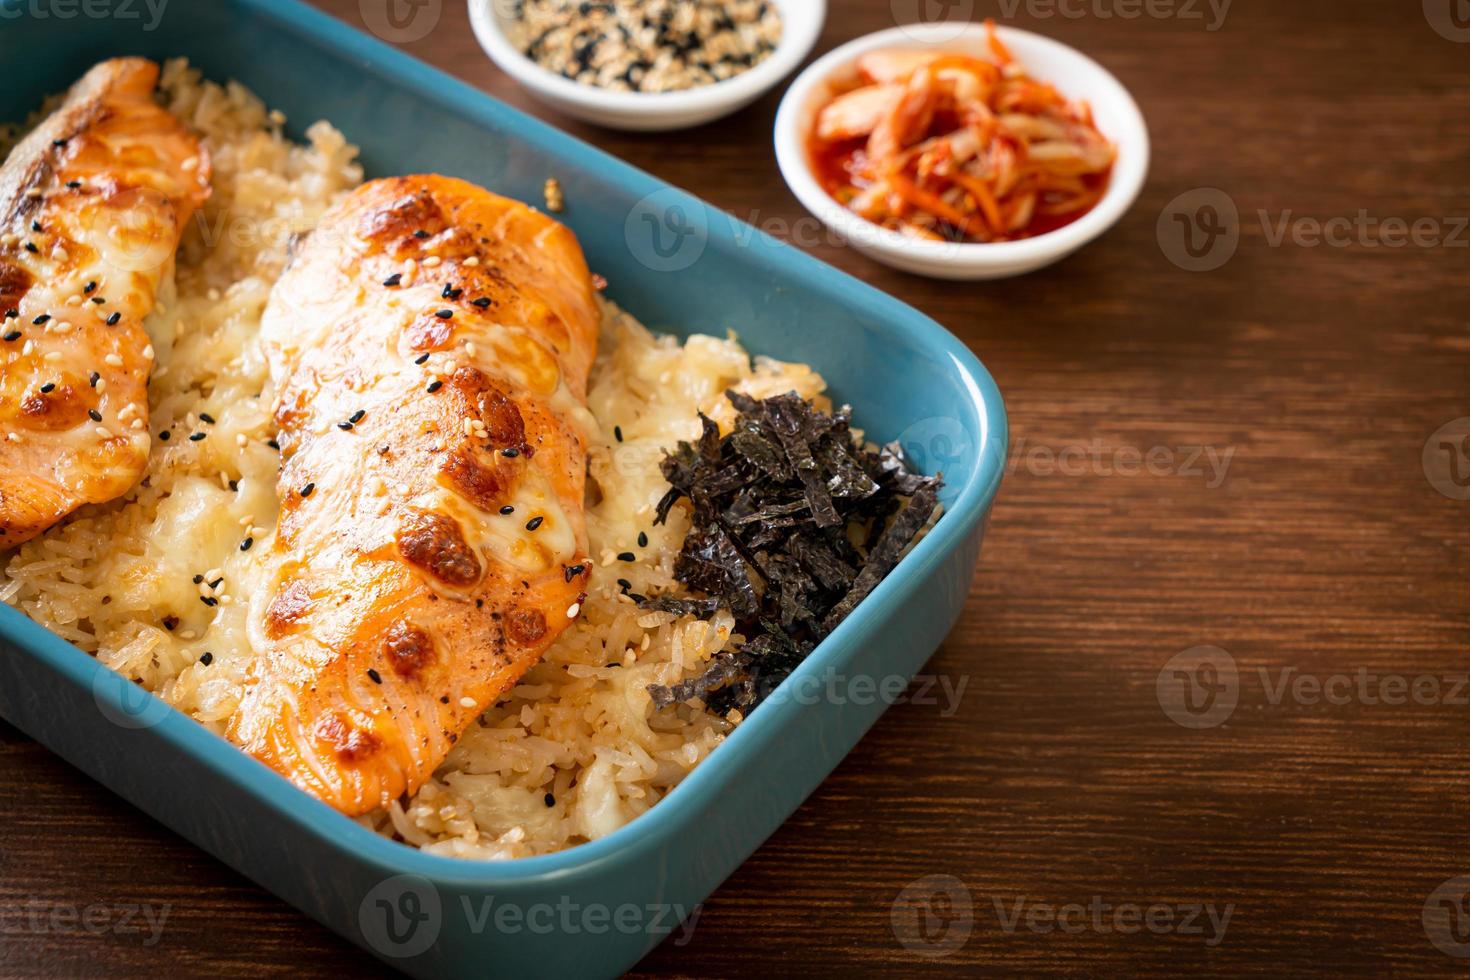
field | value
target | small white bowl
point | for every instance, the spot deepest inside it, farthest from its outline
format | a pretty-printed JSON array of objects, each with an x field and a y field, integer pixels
[
  {"x": 1074, "y": 74},
  {"x": 801, "y": 23}
]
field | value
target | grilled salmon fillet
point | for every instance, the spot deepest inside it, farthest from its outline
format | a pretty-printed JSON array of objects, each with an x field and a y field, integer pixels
[
  {"x": 92, "y": 205},
  {"x": 430, "y": 344}
]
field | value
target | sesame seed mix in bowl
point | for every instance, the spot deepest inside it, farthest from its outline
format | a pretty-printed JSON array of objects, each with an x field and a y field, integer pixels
[{"x": 646, "y": 45}]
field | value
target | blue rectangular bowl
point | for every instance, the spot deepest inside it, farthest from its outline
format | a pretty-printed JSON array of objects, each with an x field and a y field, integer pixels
[{"x": 677, "y": 264}]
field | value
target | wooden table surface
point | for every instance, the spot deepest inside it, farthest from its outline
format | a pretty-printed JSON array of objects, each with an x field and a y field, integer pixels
[{"x": 1246, "y": 459}]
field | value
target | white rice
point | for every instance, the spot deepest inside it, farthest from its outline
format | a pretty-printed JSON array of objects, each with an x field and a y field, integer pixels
[{"x": 575, "y": 751}]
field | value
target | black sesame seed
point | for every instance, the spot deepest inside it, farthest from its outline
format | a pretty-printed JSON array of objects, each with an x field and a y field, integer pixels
[
  {"x": 435, "y": 385},
  {"x": 273, "y": 444},
  {"x": 112, "y": 320},
  {"x": 31, "y": 247},
  {"x": 48, "y": 387},
  {"x": 306, "y": 490},
  {"x": 209, "y": 600},
  {"x": 394, "y": 279},
  {"x": 510, "y": 452},
  {"x": 356, "y": 416},
  {"x": 235, "y": 485},
  {"x": 13, "y": 336},
  {"x": 482, "y": 302},
  {"x": 216, "y": 582},
  {"x": 642, "y": 539},
  {"x": 164, "y": 435},
  {"x": 206, "y": 417},
  {"x": 421, "y": 358},
  {"x": 12, "y": 313},
  {"x": 245, "y": 545},
  {"x": 375, "y": 676},
  {"x": 444, "y": 314},
  {"x": 624, "y": 584},
  {"x": 421, "y": 234},
  {"x": 196, "y": 436},
  {"x": 550, "y": 800},
  {"x": 73, "y": 184},
  {"x": 99, "y": 300},
  {"x": 42, "y": 318},
  {"x": 534, "y": 522},
  {"x": 450, "y": 292},
  {"x": 95, "y": 415},
  {"x": 572, "y": 571},
  {"x": 627, "y": 556},
  {"x": 198, "y": 579},
  {"x": 93, "y": 379},
  {"x": 618, "y": 433},
  {"x": 344, "y": 426},
  {"x": 58, "y": 142},
  {"x": 507, "y": 510},
  {"x": 35, "y": 225},
  {"x": 206, "y": 658},
  {"x": 90, "y": 286}
]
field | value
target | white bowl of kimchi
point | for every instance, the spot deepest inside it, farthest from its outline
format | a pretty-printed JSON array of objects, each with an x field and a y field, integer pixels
[{"x": 960, "y": 153}]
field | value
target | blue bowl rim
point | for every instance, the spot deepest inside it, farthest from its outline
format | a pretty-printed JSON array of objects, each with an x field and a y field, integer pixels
[{"x": 357, "y": 843}]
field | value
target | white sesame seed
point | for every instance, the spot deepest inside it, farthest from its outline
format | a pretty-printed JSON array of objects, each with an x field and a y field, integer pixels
[
  {"x": 242, "y": 440},
  {"x": 103, "y": 432},
  {"x": 466, "y": 702},
  {"x": 113, "y": 360},
  {"x": 573, "y": 609},
  {"x": 472, "y": 261},
  {"x": 432, "y": 261},
  {"x": 52, "y": 356},
  {"x": 14, "y": 437},
  {"x": 148, "y": 352},
  {"x": 189, "y": 164}
]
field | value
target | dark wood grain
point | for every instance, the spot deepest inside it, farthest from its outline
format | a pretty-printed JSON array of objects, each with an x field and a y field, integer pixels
[{"x": 1325, "y": 550}]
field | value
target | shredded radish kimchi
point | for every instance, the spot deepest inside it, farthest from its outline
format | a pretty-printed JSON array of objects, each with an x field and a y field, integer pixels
[{"x": 952, "y": 147}]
